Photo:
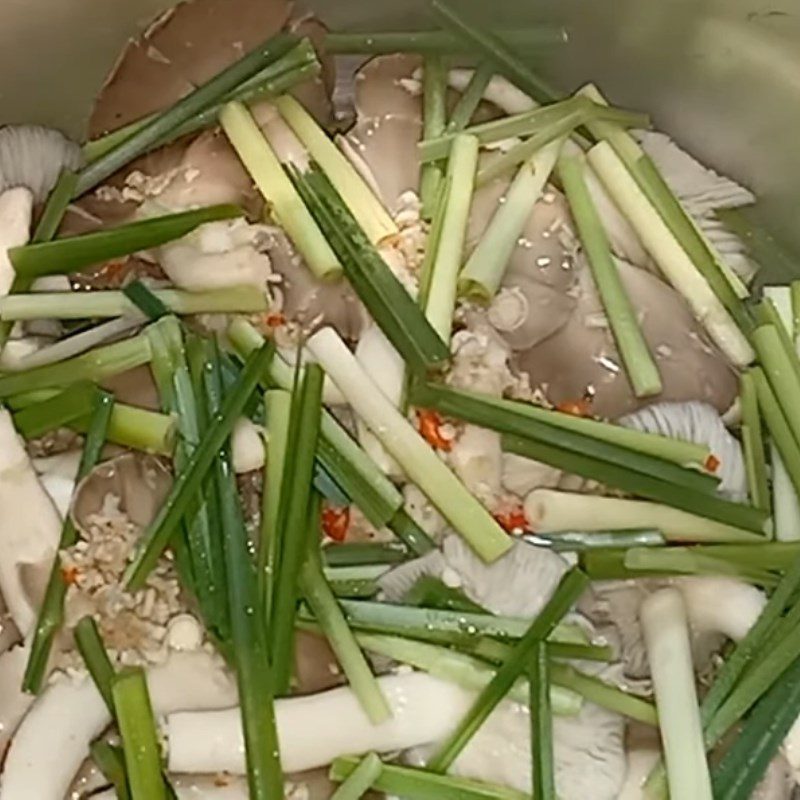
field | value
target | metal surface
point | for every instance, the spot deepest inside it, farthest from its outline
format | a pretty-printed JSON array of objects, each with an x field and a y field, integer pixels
[{"x": 722, "y": 76}]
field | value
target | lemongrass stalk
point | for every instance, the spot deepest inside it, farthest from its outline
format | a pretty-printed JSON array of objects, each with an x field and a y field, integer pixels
[
  {"x": 795, "y": 328},
  {"x": 551, "y": 511},
  {"x": 185, "y": 109},
  {"x": 96, "y": 365},
  {"x": 494, "y": 50},
  {"x": 780, "y": 373},
  {"x": 434, "y": 118},
  {"x": 277, "y": 405},
  {"x": 668, "y": 253},
  {"x": 424, "y": 785},
  {"x": 412, "y": 453},
  {"x": 640, "y": 366},
  {"x": 470, "y": 98},
  {"x": 342, "y": 641},
  {"x": 298, "y": 65},
  {"x": 286, "y": 206},
  {"x": 139, "y": 429},
  {"x": 766, "y": 313},
  {"x": 483, "y": 273},
  {"x": 432, "y": 41},
  {"x": 448, "y": 260},
  {"x": 572, "y": 585},
  {"x": 360, "y": 199},
  {"x": 785, "y": 500},
  {"x": 753, "y": 443},
  {"x": 725, "y": 283},
  {"x": 778, "y": 426},
  {"x": 666, "y": 634},
  {"x": 522, "y": 153}
]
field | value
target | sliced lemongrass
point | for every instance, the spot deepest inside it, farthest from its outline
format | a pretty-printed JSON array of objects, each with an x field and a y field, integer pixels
[
  {"x": 356, "y": 554},
  {"x": 434, "y": 118},
  {"x": 78, "y": 343},
  {"x": 551, "y": 511},
  {"x": 541, "y": 715},
  {"x": 666, "y": 250},
  {"x": 298, "y": 65},
  {"x": 96, "y": 365},
  {"x": 254, "y": 672},
  {"x": 666, "y": 633},
  {"x": 464, "y": 512},
  {"x": 527, "y": 123},
  {"x": 725, "y": 283},
  {"x": 185, "y": 109},
  {"x": 51, "y": 613},
  {"x": 293, "y": 521},
  {"x": 285, "y": 204},
  {"x": 332, "y": 620},
  {"x": 79, "y": 305},
  {"x": 494, "y": 50},
  {"x": 686, "y": 562},
  {"x": 442, "y": 291},
  {"x": 523, "y": 152},
  {"x": 783, "y": 379},
  {"x": 356, "y": 474},
  {"x": 785, "y": 501},
  {"x": 640, "y": 366},
  {"x": 432, "y": 245},
  {"x": 778, "y": 426},
  {"x": 137, "y": 728},
  {"x": 753, "y": 443},
  {"x": 163, "y": 528},
  {"x": 483, "y": 273},
  {"x": 570, "y": 588},
  {"x": 766, "y": 313},
  {"x": 529, "y": 417},
  {"x": 277, "y": 406},
  {"x": 424, "y": 785},
  {"x": 385, "y": 297},
  {"x": 360, "y": 199},
  {"x": 470, "y": 98},
  {"x": 744, "y": 764},
  {"x": 434, "y": 41},
  {"x": 795, "y": 289},
  {"x": 74, "y": 253}
]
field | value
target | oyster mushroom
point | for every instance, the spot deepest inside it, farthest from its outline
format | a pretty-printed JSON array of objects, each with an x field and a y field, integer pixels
[
  {"x": 16, "y": 208},
  {"x": 30, "y": 529},
  {"x": 581, "y": 357},
  {"x": 53, "y": 739},
  {"x": 386, "y": 84},
  {"x": 15, "y": 702},
  {"x": 183, "y": 48}
]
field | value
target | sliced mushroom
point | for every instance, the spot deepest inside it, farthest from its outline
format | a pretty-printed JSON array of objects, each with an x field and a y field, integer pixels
[
  {"x": 316, "y": 668},
  {"x": 15, "y": 702},
  {"x": 382, "y": 86},
  {"x": 185, "y": 47},
  {"x": 316, "y": 94},
  {"x": 141, "y": 482},
  {"x": 135, "y": 387},
  {"x": 16, "y": 209},
  {"x": 581, "y": 357}
]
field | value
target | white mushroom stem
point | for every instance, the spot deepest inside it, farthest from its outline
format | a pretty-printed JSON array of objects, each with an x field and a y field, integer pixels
[
  {"x": 53, "y": 740},
  {"x": 477, "y": 458},
  {"x": 15, "y": 702},
  {"x": 315, "y": 729},
  {"x": 247, "y": 442},
  {"x": 551, "y": 511},
  {"x": 30, "y": 527},
  {"x": 667, "y": 252},
  {"x": 666, "y": 633},
  {"x": 379, "y": 359},
  {"x": 16, "y": 208}
]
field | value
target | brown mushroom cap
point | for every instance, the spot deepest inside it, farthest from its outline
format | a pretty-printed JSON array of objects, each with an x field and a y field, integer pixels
[
  {"x": 182, "y": 49},
  {"x": 378, "y": 89},
  {"x": 582, "y": 355}
]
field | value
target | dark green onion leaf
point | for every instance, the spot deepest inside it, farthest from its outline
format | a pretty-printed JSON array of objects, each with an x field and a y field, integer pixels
[
  {"x": 158, "y": 536},
  {"x": 430, "y": 592},
  {"x": 349, "y": 555},
  {"x": 59, "y": 411},
  {"x": 569, "y": 590},
  {"x": 110, "y": 760},
  {"x": 199, "y": 100},
  {"x": 392, "y": 307},
  {"x": 90, "y": 646},
  {"x": 74, "y": 253},
  {"x": 544, "y": 779},
  {"x": 145, "y": 300},
  {"x": 51, "y": 613}
]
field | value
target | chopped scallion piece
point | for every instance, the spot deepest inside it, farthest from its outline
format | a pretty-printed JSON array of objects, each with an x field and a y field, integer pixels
[
  {"x": 90, "y": 646},
  {"x": 470, "y": 98},
  {"x": 544, "y": 782},
  {"x": 110, "y": 760},
  {"x": 753, "y": 443},
  {"x": 145, "y": 300},
  {"x": 51, "y": 613},
  {"x": 359, "y": 781},
  {"x": 434, "y": 119}
]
